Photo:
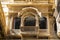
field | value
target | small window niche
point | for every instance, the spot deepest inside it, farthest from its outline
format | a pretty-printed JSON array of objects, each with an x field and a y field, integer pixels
[
  {"x": 43, "y": 23},
  {"x": 17, "y": 22}
]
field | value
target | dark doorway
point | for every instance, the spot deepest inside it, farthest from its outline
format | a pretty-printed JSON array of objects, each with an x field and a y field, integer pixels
[
  {"x": 55, "y": 25},
  {"x": 17, "y": 22},
  {"x": 43, "y": 23},
  {"x": 0, "y": 27},
  {"x": 29, "y": 21},
  {"x": 1, "y": 30}
]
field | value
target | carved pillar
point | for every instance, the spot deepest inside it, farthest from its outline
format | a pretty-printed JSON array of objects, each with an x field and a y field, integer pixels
[
  {"x": 10, "y": 28},
  {"x": 37, "y": 26},
  {"x": 11, "y": 21},
  {"x": 48, "y": 25},
  {"x": 37, "y": 23},
  {"x": 22, "y": 20},
  {"x": 3, "y": 22},
  {"x": 52, "y": 32}
]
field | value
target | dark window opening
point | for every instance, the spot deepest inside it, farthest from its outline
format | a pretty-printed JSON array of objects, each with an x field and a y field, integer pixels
[
  {"x": 29, "y": 21},
  {"x": 43, "y": 23},
  {"x": 17, "y": 22}
]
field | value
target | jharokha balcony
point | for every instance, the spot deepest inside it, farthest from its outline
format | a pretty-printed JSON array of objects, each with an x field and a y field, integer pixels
[{"x": 29, "y": 19}]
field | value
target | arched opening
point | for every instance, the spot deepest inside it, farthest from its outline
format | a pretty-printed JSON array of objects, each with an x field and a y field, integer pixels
[
  {"x": 43, "y": 23},
  {"x": 29, "y": 21},
  {"x": 30, "y": 16},
  {"x": 17, "y": 22}
]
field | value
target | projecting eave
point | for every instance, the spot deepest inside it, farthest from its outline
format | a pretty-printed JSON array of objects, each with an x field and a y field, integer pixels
[{"x": 26, "y": 3}]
